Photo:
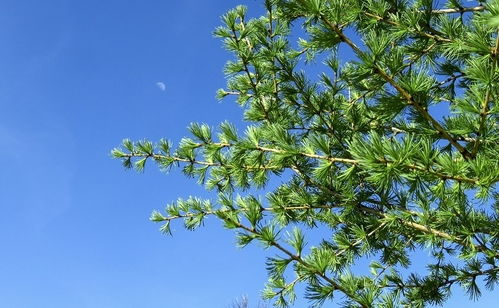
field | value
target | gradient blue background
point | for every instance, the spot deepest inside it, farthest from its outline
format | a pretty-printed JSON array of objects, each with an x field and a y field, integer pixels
[{"x": 76, "y": 77}]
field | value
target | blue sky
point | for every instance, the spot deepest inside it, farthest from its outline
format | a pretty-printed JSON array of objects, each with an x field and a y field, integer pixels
[{"x": 76, "y": 78}]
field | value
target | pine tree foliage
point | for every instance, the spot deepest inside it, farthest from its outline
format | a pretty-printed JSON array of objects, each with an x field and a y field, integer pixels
[{"x": 381, "y": 123}]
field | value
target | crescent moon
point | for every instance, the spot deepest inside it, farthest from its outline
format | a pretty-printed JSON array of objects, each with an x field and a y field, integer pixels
[{"x": 161, "y": 85}]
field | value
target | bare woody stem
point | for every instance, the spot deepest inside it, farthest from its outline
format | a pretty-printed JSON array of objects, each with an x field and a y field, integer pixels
[{"x": 478, "y": 8}]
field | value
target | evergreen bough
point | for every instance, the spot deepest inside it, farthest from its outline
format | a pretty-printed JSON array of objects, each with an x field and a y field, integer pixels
[{"x": 391, "y": 150}]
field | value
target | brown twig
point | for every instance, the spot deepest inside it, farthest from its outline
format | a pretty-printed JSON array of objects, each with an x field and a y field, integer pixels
[{"x": 461, "y": 10}]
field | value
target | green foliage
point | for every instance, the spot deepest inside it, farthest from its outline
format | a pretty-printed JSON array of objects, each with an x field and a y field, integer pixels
[{"x": 391, "y": 151}]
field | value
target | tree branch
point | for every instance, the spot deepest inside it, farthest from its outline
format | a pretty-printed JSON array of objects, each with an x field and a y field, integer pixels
[
  {"x": 408, "y": 97},
  {"x": 461, "y": 10},
  {"x": 435, "y": 37},
  {"x": 300, "y": 260},
  {"x": 160, "y": 157},
  {"x": 485, "y": 106},
  {"x": 414, "y": 225}
]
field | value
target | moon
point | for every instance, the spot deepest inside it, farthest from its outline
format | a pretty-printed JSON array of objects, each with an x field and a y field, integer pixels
[{"x": 161, "y": 85}]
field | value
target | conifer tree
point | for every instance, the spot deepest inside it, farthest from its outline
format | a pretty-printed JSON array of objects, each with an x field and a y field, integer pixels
[{"x": 391, "y": 149}]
